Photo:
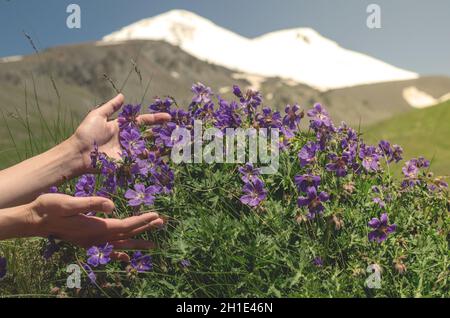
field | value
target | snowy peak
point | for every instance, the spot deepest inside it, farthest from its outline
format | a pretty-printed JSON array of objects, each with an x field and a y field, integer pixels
[{"x": 299, "y": 54}]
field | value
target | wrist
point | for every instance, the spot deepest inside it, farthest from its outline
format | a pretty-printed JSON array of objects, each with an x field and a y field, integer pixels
[
  {"x": 19, "y": 222},
  {"x": 76, "y": 157}
]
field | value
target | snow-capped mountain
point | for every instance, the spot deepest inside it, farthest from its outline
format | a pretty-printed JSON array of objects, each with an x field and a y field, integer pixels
[{"x": 301, "y": 54}]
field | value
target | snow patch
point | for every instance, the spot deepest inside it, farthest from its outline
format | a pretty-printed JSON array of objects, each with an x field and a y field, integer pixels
[
  {"x": 420, "y": 99},
  {"x": 10, "y": 59}
]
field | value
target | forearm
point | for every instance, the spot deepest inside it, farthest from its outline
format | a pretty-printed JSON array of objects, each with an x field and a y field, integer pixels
[
  {"x": 25, "y": 181},
  {"x": 16, "y": 222}
]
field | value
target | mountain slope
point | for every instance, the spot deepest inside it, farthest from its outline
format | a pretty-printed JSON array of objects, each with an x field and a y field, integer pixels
[
  {"x": 420, "y": 132},
  {"x": 298, "y": 54}
]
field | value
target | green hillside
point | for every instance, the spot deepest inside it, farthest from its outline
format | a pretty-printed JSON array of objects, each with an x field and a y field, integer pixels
[{"x": 420, "y": 132}]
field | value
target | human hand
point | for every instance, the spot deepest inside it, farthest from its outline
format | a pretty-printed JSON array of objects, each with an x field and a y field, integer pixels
[
  {"x": 63, "y": 217},
  {"x": 97, "y": 127}
]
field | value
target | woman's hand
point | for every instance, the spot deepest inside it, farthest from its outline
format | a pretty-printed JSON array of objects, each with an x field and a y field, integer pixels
[
  {"x": 64, "y": 217},
  {"x": 27, "y": 180},
  {"x": 97, "y": 128}
]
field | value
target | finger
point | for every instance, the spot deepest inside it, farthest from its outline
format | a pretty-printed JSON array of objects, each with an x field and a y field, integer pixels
[
  {"x": 108, "y": 109},
  {"x": 131, "y": 223},
  {"x": 120, "y": 256},
  {"x": 152, "y": 119},
  {"x": 133, "y": 245},
  {"x": 156, "y": 224},
  {"x": 74, "y": 206}
]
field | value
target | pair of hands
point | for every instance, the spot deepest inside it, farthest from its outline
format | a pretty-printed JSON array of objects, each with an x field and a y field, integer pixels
[{"x": 64, "y": 216}]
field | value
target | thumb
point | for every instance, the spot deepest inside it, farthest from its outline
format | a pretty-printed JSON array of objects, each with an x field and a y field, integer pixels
[
  {"x": 75, "y": 206},
  {"x": 109, "y": 108}
]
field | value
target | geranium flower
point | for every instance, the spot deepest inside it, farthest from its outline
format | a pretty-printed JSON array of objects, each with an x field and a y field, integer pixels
[
  {"x": 317, "y": 261},
  {"x": 393, "y": 153},
  {"x": 141, "y": 263},
  {"x": 307, "y": 154},
  {"x": 339, "y": 164},
  {"x": 248, "y": 172},
  {"x": 163, "y": 177},
  {"x": 185, "y": 263},
  {"x": 381, "y": 228},
  {"x": 161, "y": 106},
  {"x": 269, "y": 119},
  {"x": 141, "y": 195},
  {"x": 319, "y": 117},
  {"x": 370, "y": 158},
  {"x": 305, "y": 181},
  {"x": 85, "y": 186},
  {"x": 128, "y": 116},
  {"x": 132, "y": 141},
  {"x": 293, "y": 116},
  {"x": 202, "y": 93},
  {"x": 99, "y": 255},
  {"x": 313, "y": 201},
  {"x": 254, "y": 193}
]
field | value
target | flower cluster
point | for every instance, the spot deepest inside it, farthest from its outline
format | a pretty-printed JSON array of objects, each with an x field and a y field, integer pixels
[{"x": 327, "y": 163}]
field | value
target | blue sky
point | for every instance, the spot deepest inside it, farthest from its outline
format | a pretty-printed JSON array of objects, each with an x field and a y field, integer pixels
[{"x": 415, "y": 34}]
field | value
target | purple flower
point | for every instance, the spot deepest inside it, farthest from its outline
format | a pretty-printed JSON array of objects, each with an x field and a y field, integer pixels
[
  {"x": 132, "y": 141},
  {"x": 293, "y": 116},
  {"x": 251, "y": 100},
  {"x": 410, "y": 170},
  {"x": 91, "y": 275},
  {"x": 379, "y": 202},
  {"x": 51, "y": 248},
  {"x": 202, "y": 93},
  {"x": 254, "y": 193},
  {"x": 163, "y": 177},
  {"x": 305, "y": 181},
  {"x": 393, "y": 153},
  {"x": 109, "y": 187},
  {"x": 3, "y": 267},
  {"x": 205, "y": 112},
  {"x": 339, "y": 164},
  {"x": 108, "y": 166},
  {"x": 227, "y": 115},
  {"x": 437, "y": 185},
  {"x": 248, "y": 172},
  {"x": 313, "y": 201},
  {"x": 269, "y": 119},
  {"x": 181, "y": 118},
  {"x": 85, "y": 186},
  {"x": 370, "y": 158},
  {"x": 128, "y": 116},
  {"x": 141, "y": 195},
  {"x": 141, "y": 263},
  {"x": 99, "y": 255},
  {"x": 53, "y": 190},
  {"x": 161, "y": 106},
  {"x": 381, "y": 228},
  {"x": 307, "y": 154},
  {"x": 317, "y": 261},
  {"x": 185, "y": 263},
  {"x": 319, "y": 117},
  {"x": 237, "y": 91}
]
